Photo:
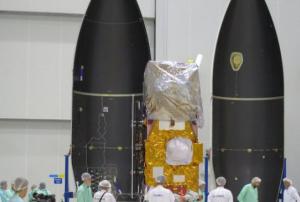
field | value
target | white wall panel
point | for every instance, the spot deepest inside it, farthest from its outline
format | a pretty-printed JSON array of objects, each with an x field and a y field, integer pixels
[
  {"x": 36, "y": 65},
  {"x": 64, "y": 6},
  {"x": 43, "y": 75},
  {"x": 14, "y": 60},
  {"x": 13, "y": 146}
]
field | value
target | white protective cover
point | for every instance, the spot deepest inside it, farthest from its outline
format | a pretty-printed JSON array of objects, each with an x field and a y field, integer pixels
[{"x": 179, "y": 151}]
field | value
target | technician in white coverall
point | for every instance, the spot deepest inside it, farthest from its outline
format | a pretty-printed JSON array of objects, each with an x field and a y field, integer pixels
[
  {"x": 290, "y": 193},
  {"x": 159, "y": 193},
  {"x": 104, "y": 194},
  {"x": 220, "y": 194}
]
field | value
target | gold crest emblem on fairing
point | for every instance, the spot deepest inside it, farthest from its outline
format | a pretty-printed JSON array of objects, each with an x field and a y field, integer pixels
[{"x": 236, "y": 61}]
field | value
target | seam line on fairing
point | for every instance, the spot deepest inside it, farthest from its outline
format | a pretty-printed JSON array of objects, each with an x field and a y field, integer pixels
[
  {"x": 106, "y": 94},
  {"x": 132, "y": 143},
  {"x": 247, "y": 99}
]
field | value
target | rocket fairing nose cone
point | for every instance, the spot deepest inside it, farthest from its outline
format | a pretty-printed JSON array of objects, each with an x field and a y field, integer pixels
[
  {"x": 112, "y": 48},
  {"x": 248, "y": 29},
  {"x": 113, "y": 11},
  {"x": 248, "y": 100},
  {"x": 111, "y": 55}
]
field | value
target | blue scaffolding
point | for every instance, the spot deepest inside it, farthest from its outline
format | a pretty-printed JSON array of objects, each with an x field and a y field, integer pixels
[{"x": 67, "y": 194}]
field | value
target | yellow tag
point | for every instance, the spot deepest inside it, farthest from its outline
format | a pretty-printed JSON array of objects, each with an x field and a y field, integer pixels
[
  {"x": 236, "y": 61},
  {"x": 190, "y": 61}
]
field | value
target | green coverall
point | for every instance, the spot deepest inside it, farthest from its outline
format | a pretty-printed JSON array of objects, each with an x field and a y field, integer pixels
[
  {"x": 9, "y": 193},
  {"x": 248, "y": 194},
  {"x": 84, "y": 194},
  {"x": 3, "y": 196}
]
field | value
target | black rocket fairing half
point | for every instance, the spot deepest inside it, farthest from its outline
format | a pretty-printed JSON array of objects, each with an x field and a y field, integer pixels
[
  {"x": 248, "y": 102},
  {"x": 111, "y": 56}
]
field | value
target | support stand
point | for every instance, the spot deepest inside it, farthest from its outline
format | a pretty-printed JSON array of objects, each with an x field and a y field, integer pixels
[
  {"x": 67, "y": 194},
  {"x": 206, "y": 177}
]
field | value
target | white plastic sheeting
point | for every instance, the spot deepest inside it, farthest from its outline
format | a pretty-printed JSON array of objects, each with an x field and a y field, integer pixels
[{"x": 179, "y": 151}]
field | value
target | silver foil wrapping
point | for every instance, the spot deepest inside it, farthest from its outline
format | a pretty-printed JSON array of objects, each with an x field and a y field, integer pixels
[{"x": 172, "y": 91}]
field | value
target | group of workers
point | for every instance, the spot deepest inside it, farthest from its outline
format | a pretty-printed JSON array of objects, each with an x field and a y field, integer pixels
[
  {"x": 159, "y": 193},
  {"x": 18, "y": 190},
  {"x": 220, "y": 194},
  {"x": 249, "y": 192},
  {"x": 85, "y": 194},
  {"x": 16, "y": 193}
]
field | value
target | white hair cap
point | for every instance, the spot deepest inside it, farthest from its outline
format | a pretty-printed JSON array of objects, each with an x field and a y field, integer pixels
[
  {"x": 85, "y": 176},
  {"x": 20, "y": 184},
  {"x": 105, "y": 184},
  {"x": 256, "y": 180},
  {"x": 221, "y": 181},
  {"x": 288, "y": 181}
]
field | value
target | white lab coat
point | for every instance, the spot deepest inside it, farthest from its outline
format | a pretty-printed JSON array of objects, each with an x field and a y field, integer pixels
[
  {"x": 108, "y": 197},
  {"x": 291, "y": 195},
  {"x": 160, "y": 194},
  {"x": 220, "y": 194}
]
